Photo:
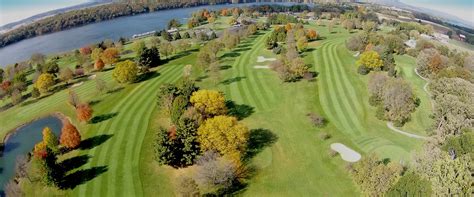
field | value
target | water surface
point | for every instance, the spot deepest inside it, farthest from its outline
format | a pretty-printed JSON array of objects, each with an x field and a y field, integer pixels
[{"x": 21, "y": 142}]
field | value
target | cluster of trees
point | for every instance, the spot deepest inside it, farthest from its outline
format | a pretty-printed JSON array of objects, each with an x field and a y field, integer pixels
[
  {"x": 393, "y": 97},
  {"x": 290, "y": 66},
  {"x": 13, "y": 82},
  {"x": 441, "y": 62},
  {"x": 207, "y": 57},
  {"x": 201, "y": 134},
  {"x": 281, "y": 19},
  {"x": 43, "y": 166}
]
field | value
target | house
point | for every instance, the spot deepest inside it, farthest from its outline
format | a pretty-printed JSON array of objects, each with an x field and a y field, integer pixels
[{"x": 462, "y": 36}]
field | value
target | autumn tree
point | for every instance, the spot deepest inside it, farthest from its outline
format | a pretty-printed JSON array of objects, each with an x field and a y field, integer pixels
[
  {"x": 50, "y": 140},
  {"x": 99, "y": 64},
  {"x": 312, "y": 34},
  {"x": 225, "y": 135},
  {"x": 84, "y": 112},
  {"x": 430, "y": 62},
  {"x": 370, "y": 60},
  {"x": 138, "y": 47},
  {"x": 166, "y": 49},
  {"x": 215, "y": 173},
  {"x": 85, "y": 50},
  {"x": 110, "y": 55},
  {"x": 96, "y": 53},
  {"x": 70, "y": 136},
  {"x": 410, "y": 184},
  {"x": 209, "y": 102},
  {"x": 302, "y": 44},
  {"x": 44, "y": 82},
  {"x": 125, "y": 72},
  {"x": 375, "y": 177},
  {"x": 37, "y": 58},
  {"x": 66, "y": 75}
]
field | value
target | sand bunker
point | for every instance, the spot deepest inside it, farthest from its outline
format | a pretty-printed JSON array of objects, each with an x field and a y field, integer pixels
[
  {"x": 346, "y": 153},
  {"x": 77, "y": 84},
  {"x": 92, "y": 77},
  {"x": 263, "y": 59},
  {"x": 357, "y": 54},
  {"x": 261, "y": 67}
]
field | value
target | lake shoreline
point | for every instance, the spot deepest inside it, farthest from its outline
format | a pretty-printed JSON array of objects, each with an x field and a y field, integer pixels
[{"x": 58, "y": 115}]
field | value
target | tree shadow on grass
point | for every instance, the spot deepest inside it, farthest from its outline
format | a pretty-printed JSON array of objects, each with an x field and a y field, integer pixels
[
  {"x": 232, "y": 80},
  {"x": 74, "y": 162},
  {"x": 115, "y": 90},
  {"x": 79, "y": 177},
  {"x": 230, "y": 55},
  {"x": 147, "y": 76},
  {"x": 94, "y": 102},
  {"x": 239, "y": 111},
  {"x": 258, "y": 140},
  {"x": 102, "y": 117},
  {"x": 92, "y": 142}
]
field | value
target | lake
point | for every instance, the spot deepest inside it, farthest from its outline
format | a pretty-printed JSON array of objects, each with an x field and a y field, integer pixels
[
  {"x": 112, "y": 29},
  {"x": 21, "y": 142}
]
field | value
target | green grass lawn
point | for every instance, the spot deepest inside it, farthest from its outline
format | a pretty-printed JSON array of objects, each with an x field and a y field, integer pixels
[
  {"x": 420, "y": 119},
  {"x": 292, "y": 161}
]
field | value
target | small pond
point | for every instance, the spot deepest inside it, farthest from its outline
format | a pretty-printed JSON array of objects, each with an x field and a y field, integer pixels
[{"x": 23, "y": 141}]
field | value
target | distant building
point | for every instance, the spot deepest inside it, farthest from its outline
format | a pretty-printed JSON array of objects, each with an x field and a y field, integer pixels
[
  {"x": 172, "y": 30},
  {"x": 462, "y": 36}
]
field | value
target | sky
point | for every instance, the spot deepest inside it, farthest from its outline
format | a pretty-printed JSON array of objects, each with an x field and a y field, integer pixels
[
  {"x": 15, "y": 10},
  {"x": 463, "y": 9}
]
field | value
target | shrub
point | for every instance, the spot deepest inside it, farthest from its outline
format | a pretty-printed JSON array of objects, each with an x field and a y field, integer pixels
[
  {"x": 332, "y": 153},
  {"x": 324, "y": 136},
  {"x": 363, "y": 70},
  {"x": 317, "y": 120}
]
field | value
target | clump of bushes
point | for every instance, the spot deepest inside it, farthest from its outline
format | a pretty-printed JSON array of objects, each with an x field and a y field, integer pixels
[
  {"x": 332, "y": 153},
  {"x": 324, "y": 136},
  {"x": 317, "y": 120}
]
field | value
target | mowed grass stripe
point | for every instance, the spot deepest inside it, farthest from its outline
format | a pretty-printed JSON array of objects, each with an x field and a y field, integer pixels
[
  {"x": 344, "y": 97},
  {"x": 105, "y": 129},
  {"x": 100, "y": 130},
  {"x": 325, "y": 97},
  {"x": 132, "y": 145},
  {"x": 245, "y": 85},
  {"x": 105, "y": 155},
  {"x": 236, "y": 88},
  {"x": 347, "y": 86},
  {"x": 134, "y": 108},
  {"x": 250, "y": 83},
  {"x": 336, "y": 93},
  {"x": 262, "y": 94}
]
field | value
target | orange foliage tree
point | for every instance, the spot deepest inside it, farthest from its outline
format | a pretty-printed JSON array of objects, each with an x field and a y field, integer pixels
[
  {"x": 84, "y": 112},
  {"x": 312, "y": 35},
  {"x": 110, "y": 55},
  {"x": 70, "y": 136},
  {"x": 99, "y": 64},
  {"x": 85, "y": 50}
]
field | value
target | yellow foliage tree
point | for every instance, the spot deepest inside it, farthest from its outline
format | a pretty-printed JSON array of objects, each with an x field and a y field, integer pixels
[
  {"x": 225, "y": 135},
  {"x": 370, "y": 59},
  {"x": 50, "y": 140},
  {"x": 125, "y": 71},
  {"x": 44, "y": 82},
  {"x": 96, "y": 53},
  {"x": 209, "y": 102}
]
